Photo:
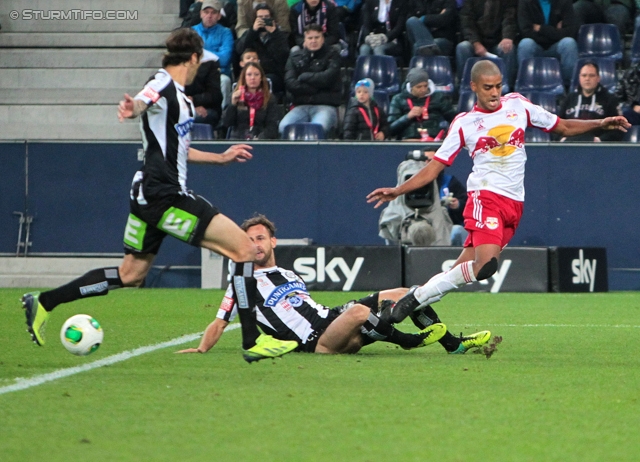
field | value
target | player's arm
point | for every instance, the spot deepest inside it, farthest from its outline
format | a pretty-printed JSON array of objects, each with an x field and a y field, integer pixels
[
  {"x": 426, "y": 175},
  {"x": 211, "y": 336},
  {"x": 130, "y": 108},
  {"x": 572, "y": 127},
  {"x": 236, "y": 153}
]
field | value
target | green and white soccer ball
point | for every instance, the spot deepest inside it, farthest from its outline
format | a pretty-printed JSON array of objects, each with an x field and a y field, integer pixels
[{"x": 81, "y": 334}]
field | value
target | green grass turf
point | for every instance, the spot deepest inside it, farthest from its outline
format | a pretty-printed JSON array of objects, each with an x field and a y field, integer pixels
[{"x": 563, "y": 386}]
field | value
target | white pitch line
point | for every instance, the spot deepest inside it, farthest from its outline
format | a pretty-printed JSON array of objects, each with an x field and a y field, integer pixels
[{"x": 23, "y": 384}]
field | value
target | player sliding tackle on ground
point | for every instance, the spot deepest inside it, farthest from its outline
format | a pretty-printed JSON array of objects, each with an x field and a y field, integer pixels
[
  {"x": 160, "y": 203},
  {"x": 287, "y": 311},
  {"x": 493, "y": 132}
]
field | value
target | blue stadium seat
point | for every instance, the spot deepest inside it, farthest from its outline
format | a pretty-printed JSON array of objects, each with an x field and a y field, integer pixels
[
  {"x": 465, "y": 84},
  {"x": 202, "y": 132},
  {"x": 546, "y": 100},
  {"x": 383, "y": 70},
  {"x": 466, "y": 101},
  {"x": 599, "y": 41},
  {"x": 635, "y": 46},
  {"x": 632, "y": 135},
  {"x": 535, "y": 135},
  {"x": 439, "y": 70},
  {"x": 382, "y": 98},
  {"x": 607, "y": 67},
  {"x": 303, "y": 131},
  {"x": 540, "y": 74}
]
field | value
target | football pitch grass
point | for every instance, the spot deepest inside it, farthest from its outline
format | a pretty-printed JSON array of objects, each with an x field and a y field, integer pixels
[{"x": 563, "y": 386}]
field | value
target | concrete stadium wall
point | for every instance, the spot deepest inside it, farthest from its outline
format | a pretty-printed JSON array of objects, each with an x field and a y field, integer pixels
[{"x": 78, "y": 196}]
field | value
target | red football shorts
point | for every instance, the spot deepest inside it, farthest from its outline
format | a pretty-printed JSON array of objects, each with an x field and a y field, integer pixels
[{"x": 490, "y": 218}]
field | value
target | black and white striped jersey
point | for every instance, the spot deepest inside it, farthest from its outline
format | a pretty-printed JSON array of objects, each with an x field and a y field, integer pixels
[
  {"x": 284, "y": 307},
  {"x": 166, "y": 134}
]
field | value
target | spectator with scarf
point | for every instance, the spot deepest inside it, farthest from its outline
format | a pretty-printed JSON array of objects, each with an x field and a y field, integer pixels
[
  {"x": 253, "y": 112},
  {"x": 418, "y": 107},
  {"x": 365, "y": 120},
  {"x": 321, "y": 12}
]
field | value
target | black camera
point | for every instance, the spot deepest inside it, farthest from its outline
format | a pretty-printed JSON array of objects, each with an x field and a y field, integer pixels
[{"x": 267, "y": 22}]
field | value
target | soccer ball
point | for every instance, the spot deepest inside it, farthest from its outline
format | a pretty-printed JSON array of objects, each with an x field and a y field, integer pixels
[{"x": 81, "y": 334}]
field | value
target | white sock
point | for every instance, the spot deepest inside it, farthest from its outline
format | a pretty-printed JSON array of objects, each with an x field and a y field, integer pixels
[{"x": 442, "y": 283}]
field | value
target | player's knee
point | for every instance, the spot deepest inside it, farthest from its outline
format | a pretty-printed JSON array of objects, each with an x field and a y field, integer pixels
[
  {"x": 359, "y": 312},
  {"x": 488, "y": 269}
]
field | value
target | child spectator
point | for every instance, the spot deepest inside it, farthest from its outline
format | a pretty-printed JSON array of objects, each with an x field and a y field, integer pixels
[{"x": 364, "y": 119}]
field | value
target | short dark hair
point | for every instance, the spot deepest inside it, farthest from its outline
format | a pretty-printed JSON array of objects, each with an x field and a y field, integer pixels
[
  {"x": 259, "y": 219},
  {"x": 313, "y": 27},
  {"x": 181, "y": 45},
  {"x": 264, "y": 6},
  {"x": 591, "y": 63}
]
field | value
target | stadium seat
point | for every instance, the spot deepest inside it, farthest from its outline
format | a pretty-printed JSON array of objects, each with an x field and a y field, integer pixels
[
  {"x": 635, "y": 46},
  {"x": 535, "y": 135},
  {"x": 383, "y": 70},
  {"x": 382, "y": 98},
  {"x": 540, "y": 74},
  {"x": 546, "y": 100},
  {"x": 632, "y": 135},
  {"x": 466, "y": 101},
  {"x": 465, "y": 84},
  {"x": 303, "y": 131},
  {"x": 599, "y": 41},
  {"x": 202, "y": 132},
  {"x": 439, "y": 70},
  {"x": 607, "y": 67}
]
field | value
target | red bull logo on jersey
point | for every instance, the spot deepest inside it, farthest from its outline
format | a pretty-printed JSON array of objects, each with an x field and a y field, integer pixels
[
  {"x": 491, "y": 222},
  {"x": 500, "y": 141},
  {"x": 512, "y": 116}
]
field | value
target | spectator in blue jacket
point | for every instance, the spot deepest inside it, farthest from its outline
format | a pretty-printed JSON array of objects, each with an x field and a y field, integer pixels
[{"x": 219, "y": 41}]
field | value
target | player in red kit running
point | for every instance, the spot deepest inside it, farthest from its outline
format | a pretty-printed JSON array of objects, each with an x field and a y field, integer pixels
[{"x": 493, "y": 131}]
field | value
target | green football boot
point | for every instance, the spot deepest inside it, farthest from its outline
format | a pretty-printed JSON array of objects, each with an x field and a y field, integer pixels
[{"x": 37, "y": 316}]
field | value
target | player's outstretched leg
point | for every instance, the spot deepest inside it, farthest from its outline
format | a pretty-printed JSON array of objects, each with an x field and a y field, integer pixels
[{"x": 38, "y": 305}]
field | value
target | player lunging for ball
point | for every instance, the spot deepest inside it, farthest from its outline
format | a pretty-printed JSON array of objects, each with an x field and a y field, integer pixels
[
  {"x": 493, "y": 131},
  {"x": 161, "y": 204}
]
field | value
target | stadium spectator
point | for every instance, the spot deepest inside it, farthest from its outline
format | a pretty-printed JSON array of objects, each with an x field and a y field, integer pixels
[
  {"x": 228, "y": 15},
  {"x": 219, "y": 41},
  {"x": 591, "y": 101},
  {"x": 312, "y": 79},
  {"x": 247, "y": 15},
  {"x": 271, "y": 44},
  {"x": 494, "y": 134},
  {"x": 418, "y": 112},
  {"x": 432, "y": 27},
  {"x": 618, "y": 12},
  {"x": 364, "y": 119},
  {"x": 253, "y": 112},
  {"x": 204, "y": 92},
  {"x": 160, "y": 203},
  {"x": 383, "y": 27},
  {"x": 549, "y": 28},
  {"x": 248, "y": 56},
  {"x": 320, "y": 12},
  {"x": 488, "y": 28},
  {"x": 344, "y": 329},
  {"x": 628, "y": 92},
  {"x": 349, "y": 13}
]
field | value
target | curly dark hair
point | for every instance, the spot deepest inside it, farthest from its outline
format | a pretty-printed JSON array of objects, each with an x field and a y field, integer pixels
[
  {"x": 181, "y": 45},
  {"x": 259, "y": 219}
]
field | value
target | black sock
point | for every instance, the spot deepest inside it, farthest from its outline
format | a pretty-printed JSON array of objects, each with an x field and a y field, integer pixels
[
  {"x": 95, "y": 282},
  {"x": 426, "y": 316},
  {"x": 244, "y": 293},
  {"x": 377, "y": 329}
]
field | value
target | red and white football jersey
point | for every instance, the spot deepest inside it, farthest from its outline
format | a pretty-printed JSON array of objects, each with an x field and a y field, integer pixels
[{"x": 495, "y": 141}]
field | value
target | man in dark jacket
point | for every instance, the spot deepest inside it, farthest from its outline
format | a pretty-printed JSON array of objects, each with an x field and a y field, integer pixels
[
  {"x": 271, "y": 43},
  {"x": 628, "y": 92},
  {"x": 549, "y": 30},
  {"x": 382, "y": 37},
  {"x": 488, "y": 27},
  {"x": 321, "y": 12},
  {"x": 418, "y": 107},
  {"x": 312, "y": 79},
  {"x": 205, "y": 92},
  {"x": 432, "y": 26},
  {"x": 590, "y": 101}
]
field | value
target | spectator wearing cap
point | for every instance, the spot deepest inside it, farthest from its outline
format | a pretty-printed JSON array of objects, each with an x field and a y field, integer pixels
[
  {"x": 418, "y": 107},
  {"x": 247, "y": 15},
  {"x": 271, "y": 44},
  {"x": 312, "y": 79},
  {"x": 364, "y": 119},
  {"x": 217, "y": 40}
]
